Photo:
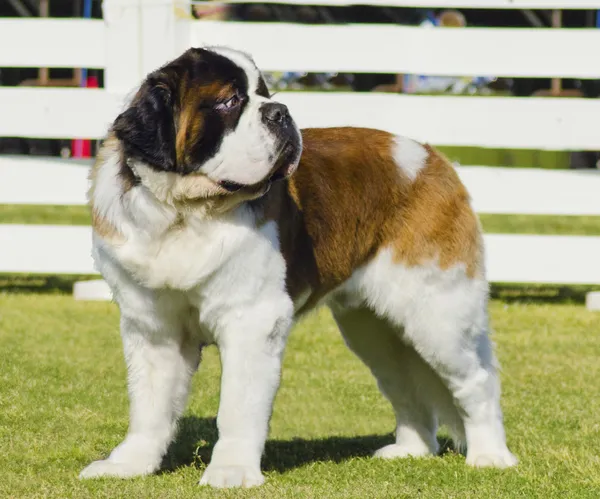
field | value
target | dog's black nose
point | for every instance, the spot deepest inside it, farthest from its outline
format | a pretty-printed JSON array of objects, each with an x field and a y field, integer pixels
[{"x": 275, "y": 112}]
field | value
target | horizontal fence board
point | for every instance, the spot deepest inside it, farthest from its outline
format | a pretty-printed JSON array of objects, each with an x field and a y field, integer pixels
[
  {"x": 43, "y": 181},
  {"x": 542, "y": 259},
  {"x": 57, "y": 112},
  {"x": 455, "y": 4},
  {"x": 527, "y": 191},
  {"x": 366, "y": 48},
  {"x": 502, "y": 122},
  {"x": 532, "y": 191},
  {"x": 46, "y": 249},
  {"x": 509, "y": 258},
  {"x": 54, "y": 43}
]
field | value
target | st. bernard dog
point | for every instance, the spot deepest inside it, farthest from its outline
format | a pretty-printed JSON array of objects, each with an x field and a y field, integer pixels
[{"x": 217, "y": 221}]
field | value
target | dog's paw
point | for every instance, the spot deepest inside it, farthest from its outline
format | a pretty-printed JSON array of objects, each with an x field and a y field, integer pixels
[
  {"x": 393, "y": 451},
  {"x": 502, "y": 459},
  {"x": 232, "y": 476},
  {"x": 108, "y": 468}
]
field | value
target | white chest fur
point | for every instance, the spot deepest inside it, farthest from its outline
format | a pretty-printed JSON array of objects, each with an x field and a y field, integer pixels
[
  {"x": 161, "y": 248},
  {"x": 190, "y": 252},
  {"x": 184, "y": 262}
]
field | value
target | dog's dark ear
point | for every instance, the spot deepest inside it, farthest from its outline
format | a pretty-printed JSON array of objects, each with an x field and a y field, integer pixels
[{"x": 147, "y": 127}]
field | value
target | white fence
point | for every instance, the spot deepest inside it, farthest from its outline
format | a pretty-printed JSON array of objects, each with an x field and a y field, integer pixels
[{"x": 136, "y": 36}]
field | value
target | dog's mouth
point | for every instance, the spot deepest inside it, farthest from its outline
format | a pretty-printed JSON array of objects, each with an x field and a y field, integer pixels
[
  {"x": 278, "y": 175},
  {"x": 284, "y": 166},
  {"x": 230, "y": 186}
]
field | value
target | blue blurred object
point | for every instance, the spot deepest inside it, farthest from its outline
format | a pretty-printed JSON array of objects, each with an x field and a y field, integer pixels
[{"x": 87, "y": 14}]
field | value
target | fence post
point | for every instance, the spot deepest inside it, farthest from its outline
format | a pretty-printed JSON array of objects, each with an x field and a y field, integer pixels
[
  {"x": 122, "y": 73},
  {"x": 140, "y": 36},
  {"x": 165, "y": 32},
  {"x": 123, "y": 69}
]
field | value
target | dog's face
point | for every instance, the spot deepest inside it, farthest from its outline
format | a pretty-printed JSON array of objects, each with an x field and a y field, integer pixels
[{"x": 208, "y": 114}]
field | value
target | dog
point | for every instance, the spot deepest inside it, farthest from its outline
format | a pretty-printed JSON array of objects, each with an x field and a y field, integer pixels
[{"x": 217, "y": 221}]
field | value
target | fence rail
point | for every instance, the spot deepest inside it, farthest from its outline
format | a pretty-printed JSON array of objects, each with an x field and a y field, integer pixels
[
  {"x": 455, "y": 4},
  {"x": 378, "y": 48},
  {"x": 505, "y": 122},
  {"x": 507, "y": 191},
  {"x": 47, "y": 249},
  {"x": 57, "y": 112},
  {"x": 510, "y": 52},
  {"x": 60, "y": 43},
  {"x": 137, "y": 36}
]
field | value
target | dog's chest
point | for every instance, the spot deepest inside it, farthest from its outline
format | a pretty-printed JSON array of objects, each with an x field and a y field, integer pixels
[{"x": 191, "y": 254}]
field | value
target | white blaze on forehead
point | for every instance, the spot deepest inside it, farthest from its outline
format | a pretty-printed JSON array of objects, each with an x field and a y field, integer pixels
[
  {"x": 410, "y": 156},
  {"x": 244, "y": 62}
]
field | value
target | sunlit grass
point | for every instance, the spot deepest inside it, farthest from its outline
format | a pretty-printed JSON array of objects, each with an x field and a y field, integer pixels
[{"x": 63, "y": 403}]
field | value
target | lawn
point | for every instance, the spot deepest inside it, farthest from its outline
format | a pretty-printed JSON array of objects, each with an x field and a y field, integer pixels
[
  {"x": 63, "y": 403},
  {"x": 63, "y": 400}
]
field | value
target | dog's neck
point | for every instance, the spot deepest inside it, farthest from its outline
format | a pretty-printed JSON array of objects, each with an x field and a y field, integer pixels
[{"x": 132, "y": 198}]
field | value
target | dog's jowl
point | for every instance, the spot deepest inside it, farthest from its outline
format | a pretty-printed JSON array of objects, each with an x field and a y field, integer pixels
[{"x": 217, "y": 221}]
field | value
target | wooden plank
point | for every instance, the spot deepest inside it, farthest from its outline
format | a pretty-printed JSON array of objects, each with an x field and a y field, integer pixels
[
  {"x": 43, "y": 181},
  {"x": 57, "y": 112},
  {"x": 358, "y": 48},
  {"x": 531, "y": 191},
  {"x": 46, "y": 249},
  {"x": 451, "y": 4},
  {"x": 500, "y": 122},
  {"x": 55, "y": 43},
  {"x": 455, "y": 4},
  {"x": 509, "y": 258},
  {"x": 542, "y": 259},
  {"x": 96, "y": 289},
  {"x": 527, "y": 191}
]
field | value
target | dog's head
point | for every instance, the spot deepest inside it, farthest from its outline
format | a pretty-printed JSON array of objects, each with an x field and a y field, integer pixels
[{"x": 208, "y": 116}]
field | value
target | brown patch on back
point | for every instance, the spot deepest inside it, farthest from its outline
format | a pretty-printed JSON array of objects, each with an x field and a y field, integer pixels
[
  {"x": 349, "y": 199},
  {"x": 338, "y": 208}
]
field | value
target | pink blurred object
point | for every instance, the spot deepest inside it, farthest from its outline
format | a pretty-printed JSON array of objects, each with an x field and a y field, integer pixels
[{"x": 82, "y": 148}]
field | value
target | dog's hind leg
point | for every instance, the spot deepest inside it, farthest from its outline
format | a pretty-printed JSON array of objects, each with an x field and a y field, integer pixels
[
  {"x": 402, "y": 376},
  {"x": 444, "y": 316}
]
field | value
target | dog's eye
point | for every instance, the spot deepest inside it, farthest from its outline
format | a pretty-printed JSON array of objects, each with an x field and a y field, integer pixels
[{"x": 229, "y": 104}]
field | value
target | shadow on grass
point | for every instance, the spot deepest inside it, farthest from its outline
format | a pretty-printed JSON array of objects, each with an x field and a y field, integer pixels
[
  {"x": 509, "y": 293},
  {"x": 197, "y": 437},
  {"x": 40, "y": 284},
  {"x": 531, "y": 293}
]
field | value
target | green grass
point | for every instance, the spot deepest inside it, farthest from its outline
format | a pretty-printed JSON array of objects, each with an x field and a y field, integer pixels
[
  {"x": 540, "y": 224},
  {"x": 46, "y": 214},
  {"x": 518, "y": 224},
  {"x": 63, "y": 398},
  {"x": 517, "y": 158},
  {"x": 63, "y": 403}
]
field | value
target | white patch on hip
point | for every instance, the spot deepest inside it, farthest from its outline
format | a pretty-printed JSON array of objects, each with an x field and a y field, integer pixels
[{"x": 410, "y": 156}]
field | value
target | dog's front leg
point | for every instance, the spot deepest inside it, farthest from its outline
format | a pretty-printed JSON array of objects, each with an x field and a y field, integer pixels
[
  {"x": 251, "y": 349},
  {"x": 161, "y": 360}
]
